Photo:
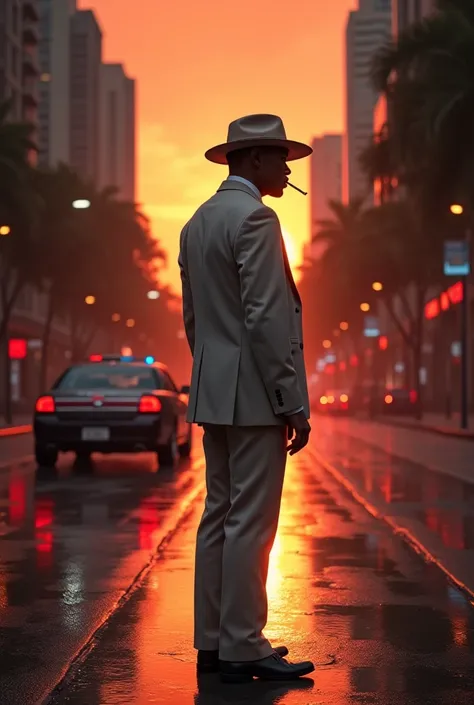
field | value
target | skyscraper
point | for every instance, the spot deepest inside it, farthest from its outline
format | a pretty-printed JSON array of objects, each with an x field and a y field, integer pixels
[
  {"x": 325, "y": 181},
  {"x": 367, "y": 29},
  {"x": 404, "y": 12},
  {"x": 18, "y": 57},
  {"x": 85, "y": 64},
  {"x": 117, "y": 130},
  {"x": 54, "y": 55}
]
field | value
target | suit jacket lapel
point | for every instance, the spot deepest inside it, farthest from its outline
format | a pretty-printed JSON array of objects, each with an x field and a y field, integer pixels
[{"x": 289, "y": 273}]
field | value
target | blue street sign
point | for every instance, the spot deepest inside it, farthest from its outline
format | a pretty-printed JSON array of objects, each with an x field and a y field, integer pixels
[
  {"x": 456, "y": 258},
  {"x": 371, "y": 327}
]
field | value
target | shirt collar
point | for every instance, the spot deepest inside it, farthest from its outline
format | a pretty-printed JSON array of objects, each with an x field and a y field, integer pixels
[{"x": 247, "y": 183}]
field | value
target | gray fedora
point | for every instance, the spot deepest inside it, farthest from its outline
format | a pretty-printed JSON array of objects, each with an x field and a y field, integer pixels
[{"x": 257, "y": 131}]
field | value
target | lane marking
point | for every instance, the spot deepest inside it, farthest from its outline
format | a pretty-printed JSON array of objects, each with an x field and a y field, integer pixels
[
  {"x": 400, "y": 531},
  {"x": 15, "y": 430}
]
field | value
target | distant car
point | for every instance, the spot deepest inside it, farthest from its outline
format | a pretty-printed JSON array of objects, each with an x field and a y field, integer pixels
[
  {"x": 335, "y": 402},
  {"x": 113, "y": 405},
  {"x": 398, "y": 401}
]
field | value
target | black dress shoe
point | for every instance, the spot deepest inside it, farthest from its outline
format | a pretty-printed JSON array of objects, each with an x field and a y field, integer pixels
[
  {"x": 208, "y": 661},
  {"x": 272, "y": 668}
]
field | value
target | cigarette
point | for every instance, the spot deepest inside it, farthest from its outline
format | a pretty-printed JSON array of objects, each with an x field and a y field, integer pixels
[{"x": 305, "y": 193}]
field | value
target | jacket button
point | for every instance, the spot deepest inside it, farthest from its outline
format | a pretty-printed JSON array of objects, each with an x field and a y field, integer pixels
[
  {"x": 297, "y": 310},
  {"x": 301, "y": 346}
]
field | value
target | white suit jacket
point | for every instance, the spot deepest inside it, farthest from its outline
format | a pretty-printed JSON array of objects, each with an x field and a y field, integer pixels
[{"x": 242, "y": 313}]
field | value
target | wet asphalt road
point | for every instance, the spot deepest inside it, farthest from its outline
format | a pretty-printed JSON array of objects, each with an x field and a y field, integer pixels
[
  {"x": 71, "y": 545},
  {"x": 383, "y": 625}
]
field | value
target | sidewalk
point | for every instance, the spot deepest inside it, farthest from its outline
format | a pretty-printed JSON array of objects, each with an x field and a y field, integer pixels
[
  {"x": 449, "y": 455},
  {"x": 21, "y": 424},
  {"x": 434, "y": 423},
  {"x": 381, "y": 625}
]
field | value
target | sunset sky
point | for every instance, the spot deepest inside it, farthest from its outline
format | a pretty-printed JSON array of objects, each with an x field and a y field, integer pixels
[{"x": 201, "y": 65}]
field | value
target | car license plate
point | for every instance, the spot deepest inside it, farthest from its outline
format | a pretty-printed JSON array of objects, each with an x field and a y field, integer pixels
[{"x": 95, "y": 434}]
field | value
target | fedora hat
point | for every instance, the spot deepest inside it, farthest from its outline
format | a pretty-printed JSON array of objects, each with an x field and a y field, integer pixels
[{"x": 257, "y": 131}]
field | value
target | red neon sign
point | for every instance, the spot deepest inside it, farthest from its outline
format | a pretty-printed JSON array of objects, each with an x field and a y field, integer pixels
[
  {"x": 17, "y": 348},
  {"x": 452, "y": 296}
]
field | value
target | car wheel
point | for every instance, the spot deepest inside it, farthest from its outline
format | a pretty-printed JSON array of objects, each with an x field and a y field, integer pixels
[
  {"x": 46, "y": 457},
  {"x": 83, "y": 456},
  {"x": 185, "y": 448},
  {"x": 167, "y": 455}
]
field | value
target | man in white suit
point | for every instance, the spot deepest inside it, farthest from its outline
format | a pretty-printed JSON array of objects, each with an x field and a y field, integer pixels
[{"x": 242, "y": 315}]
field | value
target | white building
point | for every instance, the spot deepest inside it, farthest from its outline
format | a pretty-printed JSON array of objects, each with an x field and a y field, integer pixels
[
  {"x": 117, "y": 130},
  {"x": 367, "y": 30},
  {"x": 325, "y": 181},
  {"x": 54, "y": 57}
]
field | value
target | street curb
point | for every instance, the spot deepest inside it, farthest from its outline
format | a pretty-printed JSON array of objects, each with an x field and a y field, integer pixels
[
  {"x": 170, "y": 528},
  {"x": 425, "y": 428},
  {"x": 15, "y": 430},
  {"x": 398, "y": 530}
]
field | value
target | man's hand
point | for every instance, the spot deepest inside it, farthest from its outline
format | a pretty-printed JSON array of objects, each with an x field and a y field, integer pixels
[{"x": 298, "y": 432}]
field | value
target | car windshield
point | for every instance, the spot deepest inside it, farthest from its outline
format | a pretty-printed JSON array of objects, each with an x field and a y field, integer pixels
[{"x": 89, "y": 377}]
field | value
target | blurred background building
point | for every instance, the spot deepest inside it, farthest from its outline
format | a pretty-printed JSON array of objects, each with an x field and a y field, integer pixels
[
  {"x": 117, "y": 130},
  {"x": 367, "y": 29}
]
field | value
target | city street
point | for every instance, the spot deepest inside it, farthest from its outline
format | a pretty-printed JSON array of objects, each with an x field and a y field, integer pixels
[{"x": 87, "y": 602}]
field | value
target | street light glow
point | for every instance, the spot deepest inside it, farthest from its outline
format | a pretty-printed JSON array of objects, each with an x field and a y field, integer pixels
[
  {"x": 327, "y": 344},
  {"x": 457, "y": 209},
  {"x": 116, "y": 317},
  {"x": 153, "y": 294},
  {"x": 90, "y": 300},
  {"x": 344, "y": 325},
  {"x": 130, "y": 323},
  {"x": 365, "y": 307},
  {"x": 81, "y": 203},
  {"x": 377, "y": 286},
  {"x": 5, "y": 230}
]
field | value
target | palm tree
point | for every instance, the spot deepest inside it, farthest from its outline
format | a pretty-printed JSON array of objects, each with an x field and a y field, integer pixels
[{"x": 428, "y": 78}]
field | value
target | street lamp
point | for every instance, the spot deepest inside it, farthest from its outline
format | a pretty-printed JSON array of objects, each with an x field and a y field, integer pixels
[
  {"x": 457, "y": 209},
  {"x": 130, "y": 322},
  {"x": 365, "y": 307},
  {"x": 90, "y": 300},
  {"x": 327, "y": 344},
  {"x": 81, "y": 203},
  {"x": 343, "y": 325},
  {"x": 116, "y": 317},
  {"x": 153, "y": 295},
  {"x": 377, "y": 286},
  {"x": 5, "y": 230}
]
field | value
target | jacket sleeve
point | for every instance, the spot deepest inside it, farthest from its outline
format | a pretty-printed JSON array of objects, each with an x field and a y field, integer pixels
[
  {"x": 263, "y": 285},
  {"x": 188, "y": 306}
]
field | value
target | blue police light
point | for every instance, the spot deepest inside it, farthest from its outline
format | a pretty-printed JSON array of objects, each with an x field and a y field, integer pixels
[
  {"x": 127, "y": 358},
  {"x": 149, "y": 360}
]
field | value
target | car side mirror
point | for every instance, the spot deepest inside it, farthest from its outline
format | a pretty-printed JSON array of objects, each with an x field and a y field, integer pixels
[{"x": 185, "y": 389}]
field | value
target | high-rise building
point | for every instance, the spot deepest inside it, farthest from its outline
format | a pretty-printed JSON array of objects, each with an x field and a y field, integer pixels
[
  {"x": 54, "y": 57},
  {"x": 117, "y": 130},
  {"x": 85, "y": 66},
  {"x": 367, "y": 29},
  {"x": 325, "y": 181},
  {"x": 405, "y": 12},
  {"x": 18, "y": 58}
]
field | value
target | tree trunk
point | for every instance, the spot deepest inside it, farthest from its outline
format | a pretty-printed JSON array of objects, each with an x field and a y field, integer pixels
[
  {"x": 7, "y": 304},
  {"x": 46, "y": 340},
  {"x": 418, "y": 351}
]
